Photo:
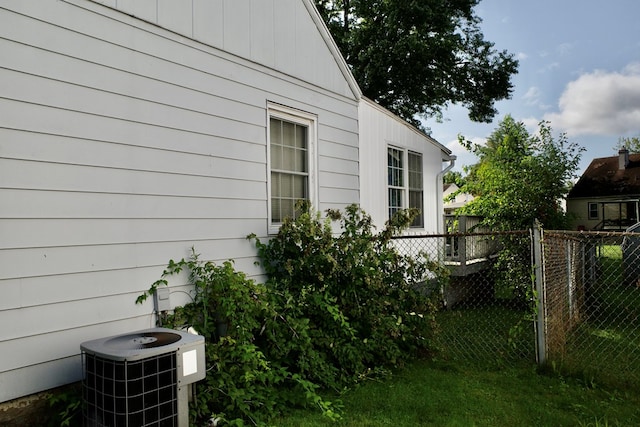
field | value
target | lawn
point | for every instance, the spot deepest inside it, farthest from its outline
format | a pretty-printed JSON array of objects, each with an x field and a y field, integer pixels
[
  {"x": 486, "y": 374},
  {"x": 436, "y": 393}
]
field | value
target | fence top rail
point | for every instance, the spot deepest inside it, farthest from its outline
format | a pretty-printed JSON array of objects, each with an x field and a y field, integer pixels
[
  {"x": 485, "y": 233},
  {"x": 588, "y": 234}
]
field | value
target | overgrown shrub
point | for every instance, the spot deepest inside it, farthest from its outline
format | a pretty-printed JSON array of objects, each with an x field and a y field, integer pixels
[
  {"x": 361, "y": 298},
  {"x": 231, "y": 311},
  {"x": 335, "y": 308}
]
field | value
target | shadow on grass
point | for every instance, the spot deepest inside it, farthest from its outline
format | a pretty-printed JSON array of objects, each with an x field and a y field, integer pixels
[{"x": 429, "y": 393}]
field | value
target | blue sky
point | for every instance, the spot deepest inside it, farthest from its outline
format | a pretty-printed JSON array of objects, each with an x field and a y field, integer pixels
[{"x": 579, "y": 69}]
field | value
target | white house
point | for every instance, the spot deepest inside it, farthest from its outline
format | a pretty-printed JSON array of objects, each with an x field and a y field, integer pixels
[
  {"x": 400, "y": 167},
  {"x": 133, "y": 130},
  {"x": 458, "y": 201}
]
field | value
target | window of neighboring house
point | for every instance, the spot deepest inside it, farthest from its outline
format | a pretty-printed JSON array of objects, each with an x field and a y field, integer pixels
[
  {"x": 405, "y": 182},
  {"x": 593, "y": 211},
  {"x": 291, "y": 161}
]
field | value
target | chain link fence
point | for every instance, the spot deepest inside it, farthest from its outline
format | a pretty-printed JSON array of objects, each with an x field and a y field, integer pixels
[
  {"x": 569, "y": 300},
  {"x": 590, "y": 285},
  {"x": 485, "y": 317}
]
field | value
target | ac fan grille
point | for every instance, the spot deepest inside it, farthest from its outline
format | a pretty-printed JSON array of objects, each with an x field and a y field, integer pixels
[{"x": 136, "y": 393}]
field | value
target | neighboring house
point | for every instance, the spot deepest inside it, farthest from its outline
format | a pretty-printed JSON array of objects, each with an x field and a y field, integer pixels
[
  {"x": 400, "y": 167},
  {"x": 131, "y": 131},
  {"x": 458, "y": 201},
  {"x": 606, "y": 195}
]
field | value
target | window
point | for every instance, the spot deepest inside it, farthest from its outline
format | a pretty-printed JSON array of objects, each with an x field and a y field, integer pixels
[
  {"x": 405, "y": 183},
  {"x": 395, "y": 172},
  {"x": 291, "y": 163},
  {"x": 593, "y": 211},
  {"x": 416, "y": 193}
]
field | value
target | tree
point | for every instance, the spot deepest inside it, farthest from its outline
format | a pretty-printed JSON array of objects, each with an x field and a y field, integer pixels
[
  {"x": 631, "y": 143},
  {"x": 417, "y": 57},
  {"x": 521, "y": 177},
  {"x": 453, "y": 177}
]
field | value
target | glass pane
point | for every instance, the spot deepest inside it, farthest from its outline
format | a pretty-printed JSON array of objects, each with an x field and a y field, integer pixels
[
  {"x": 287, "y": 208},
  {"x": 415, "y": 171},
  {"x": 289, "y": 159},
  {"x": 395, "y": 198},
  {"x": 276, "y": 213},
  {"x": 286, "y": 186},
  {"x": 394, "y": 158},
  {"x": 395, "y": 168},
  {"x": 301, "y": 136},
  {"x": 299, "y": 187},
  {"x": 301, "y": 161},
  {"x": 416, "y": 201},
  {"x": 276, "y": 131},
  {"x": 275, "y": 184},
  {"x": 288, "y": 134},
  {"x": 276, "y": 156}
]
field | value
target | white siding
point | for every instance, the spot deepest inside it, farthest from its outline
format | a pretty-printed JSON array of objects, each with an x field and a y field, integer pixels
[
  {"x": 122, "y": 145},
  {"x": 380, "y": 129},
  {"x": 280, "y": 34}
]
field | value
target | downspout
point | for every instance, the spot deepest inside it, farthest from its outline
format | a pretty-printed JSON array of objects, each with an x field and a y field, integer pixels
[{"x": 452, "y": 163}]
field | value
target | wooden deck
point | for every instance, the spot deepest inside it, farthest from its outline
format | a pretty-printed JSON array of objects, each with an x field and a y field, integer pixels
[{"x": 469, "y": 247}]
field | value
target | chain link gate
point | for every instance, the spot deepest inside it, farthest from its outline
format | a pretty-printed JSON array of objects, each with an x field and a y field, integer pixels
[{"x": 589, "y": 316}]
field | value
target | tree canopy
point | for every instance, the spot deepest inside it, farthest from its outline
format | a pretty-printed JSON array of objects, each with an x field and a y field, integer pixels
[
  {"x": 417, "y": 57},
  {"x": 631, "y": 143},
  {"x": 453, "y": 177},
  {"x": 521, "y": 177}
]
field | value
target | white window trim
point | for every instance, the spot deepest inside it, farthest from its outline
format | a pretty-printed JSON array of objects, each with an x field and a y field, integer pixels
[
  {"x": 405, "y": 179},
  {"x": 309, "y": 120}
]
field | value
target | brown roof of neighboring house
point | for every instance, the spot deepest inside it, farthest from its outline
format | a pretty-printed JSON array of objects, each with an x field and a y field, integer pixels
[{"x": 605, "y": 178}]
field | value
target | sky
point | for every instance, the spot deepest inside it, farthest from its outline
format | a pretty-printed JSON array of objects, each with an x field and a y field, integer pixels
[{"x": 579, "y": 69}]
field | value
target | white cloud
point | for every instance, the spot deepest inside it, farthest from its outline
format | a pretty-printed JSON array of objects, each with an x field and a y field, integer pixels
[
  {"x": 464, "y": 157},
  {"x": 600, "y": 103},
  {"x": 549, "y": 67},
  {"x": 531, "y": 123},
  {"x": 532, "y": 97},
  {"x": 564, "y": 48}
]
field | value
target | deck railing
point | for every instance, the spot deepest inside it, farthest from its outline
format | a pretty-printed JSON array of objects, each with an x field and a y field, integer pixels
[{"x": 467, "y": 240}]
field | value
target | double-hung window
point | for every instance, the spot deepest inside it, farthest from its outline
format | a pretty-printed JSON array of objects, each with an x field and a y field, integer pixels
[
  {"x": 291, "y": 162},
  {"x": 405, "y": 182}
]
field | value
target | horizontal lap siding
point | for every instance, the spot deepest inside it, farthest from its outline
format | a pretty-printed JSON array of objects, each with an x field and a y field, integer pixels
[
  {"x": 121, "y": 147},
  {"x": 378, "y": 130}
]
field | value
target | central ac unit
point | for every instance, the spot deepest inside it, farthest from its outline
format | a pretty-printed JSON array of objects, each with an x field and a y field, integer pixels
[{"x": 142, "y": 378}]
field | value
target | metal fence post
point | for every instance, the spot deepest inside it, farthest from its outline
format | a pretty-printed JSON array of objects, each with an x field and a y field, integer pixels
[{"x": 541, "y": 347}]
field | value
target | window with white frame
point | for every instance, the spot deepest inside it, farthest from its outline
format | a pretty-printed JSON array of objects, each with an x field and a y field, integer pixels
[
  {"x": 593, "y": 211},
  {"x": 291, "y": 162},
  {"x": 416, "y": 190},
  {"x": 405, "y": 182}
]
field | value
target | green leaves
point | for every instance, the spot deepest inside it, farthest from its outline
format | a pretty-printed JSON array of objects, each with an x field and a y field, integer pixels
[
  {"x": 521, "y": 177},
  {"x": 355, "y": 290},
  {"x": 416, "y": 57},
  {"x": 337, "y": 308}
]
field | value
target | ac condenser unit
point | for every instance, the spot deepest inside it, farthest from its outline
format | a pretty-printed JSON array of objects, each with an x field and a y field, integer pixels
[{"x": 142, "y": 378}]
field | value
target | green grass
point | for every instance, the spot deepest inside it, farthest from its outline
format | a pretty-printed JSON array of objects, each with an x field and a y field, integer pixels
[
  {"x": 486, "y": 335},
  {"x": 486, "y": 376},
  {"x": 448, "y": 394}
]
